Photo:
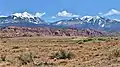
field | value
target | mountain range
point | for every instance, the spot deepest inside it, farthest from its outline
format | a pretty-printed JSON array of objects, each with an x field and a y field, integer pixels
[{"x": 92, "y": 22}]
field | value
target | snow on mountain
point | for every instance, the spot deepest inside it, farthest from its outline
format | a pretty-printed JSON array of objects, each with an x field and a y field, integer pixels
[
  {"x": 94, "y": 19},
  {"x": 116, "y": 20},
  {"x": 87, "y": 17},
  {"x": 59, "y": 22},
  {"x": 72, "y": 21},
  {"x": 24, "y": 15},
  {"x": 95, "y": 22},
  {"x": 78, "y": 20},
  {"x": 3, "y": 16}
]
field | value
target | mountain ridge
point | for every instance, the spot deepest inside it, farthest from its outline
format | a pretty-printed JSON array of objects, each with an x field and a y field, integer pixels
[
  {"x": 17, "y": 31},
  {"x": 93, "y": 22}
]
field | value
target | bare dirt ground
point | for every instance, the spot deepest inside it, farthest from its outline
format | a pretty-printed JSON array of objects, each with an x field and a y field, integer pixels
[{"x": 37, "y": 52}]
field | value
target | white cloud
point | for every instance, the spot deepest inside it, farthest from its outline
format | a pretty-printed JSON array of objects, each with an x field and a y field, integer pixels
[
  {"x": 75, "y": 15},
  {"x": 100, "y": 13},
  {"x": 66, "y": 14},
  {"x": 112, "y": 12},
  {"x": 38, "y": 14},
  {"x": 53, "y": 17}
]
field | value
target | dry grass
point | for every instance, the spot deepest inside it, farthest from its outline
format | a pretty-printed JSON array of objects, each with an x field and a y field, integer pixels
[{"x": 36, "y": 52}]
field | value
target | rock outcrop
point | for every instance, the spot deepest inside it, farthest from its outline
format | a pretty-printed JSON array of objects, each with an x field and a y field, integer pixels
[{"x": 14, "y": 31}]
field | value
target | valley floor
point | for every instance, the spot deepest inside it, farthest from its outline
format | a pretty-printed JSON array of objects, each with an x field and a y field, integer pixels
[{"x": 41, "y": 52}]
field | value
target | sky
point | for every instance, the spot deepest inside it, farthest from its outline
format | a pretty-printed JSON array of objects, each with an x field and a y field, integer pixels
[{"x": 56, "y": 9}]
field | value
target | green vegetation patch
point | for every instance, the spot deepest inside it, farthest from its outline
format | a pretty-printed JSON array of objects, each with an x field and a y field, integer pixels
[
  {"x": 96, "y": 39},
  {"x": 62, "y": 54}
]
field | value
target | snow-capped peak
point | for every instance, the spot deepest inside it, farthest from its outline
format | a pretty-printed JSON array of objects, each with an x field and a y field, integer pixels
[
  {"x": 90, "y": 17},
  {"x": 97, "y": 17},
  {"x": 117, "y": 20},
  {"x": 23, "y": 15},
  {"x": 86, "y": 17},
  {"x": 59, "y": 22},
  {"x": 3, "y": 16}
]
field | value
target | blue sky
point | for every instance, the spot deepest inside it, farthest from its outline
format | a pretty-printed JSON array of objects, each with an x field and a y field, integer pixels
[{"x": 53, "y": 7}]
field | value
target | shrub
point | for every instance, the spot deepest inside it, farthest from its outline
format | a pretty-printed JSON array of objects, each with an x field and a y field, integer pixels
[
  {"x": 3, "y": 57},
  {"x": 115, "y": 53},
  {"x": 79, "y": 42},
  {"x": 4, "y": 41},
  {"x": 84, "y": 40},
  {"x": 88, "y": 40},
  {"x": 102, "y": 39},
  {"x": 15, "y": 47},
  {"x": 62, "y": 55},
  {"x": 26, "y": 57}
]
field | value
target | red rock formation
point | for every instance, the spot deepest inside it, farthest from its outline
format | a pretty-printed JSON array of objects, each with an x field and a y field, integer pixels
[{"x": 13, "y": 31}]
